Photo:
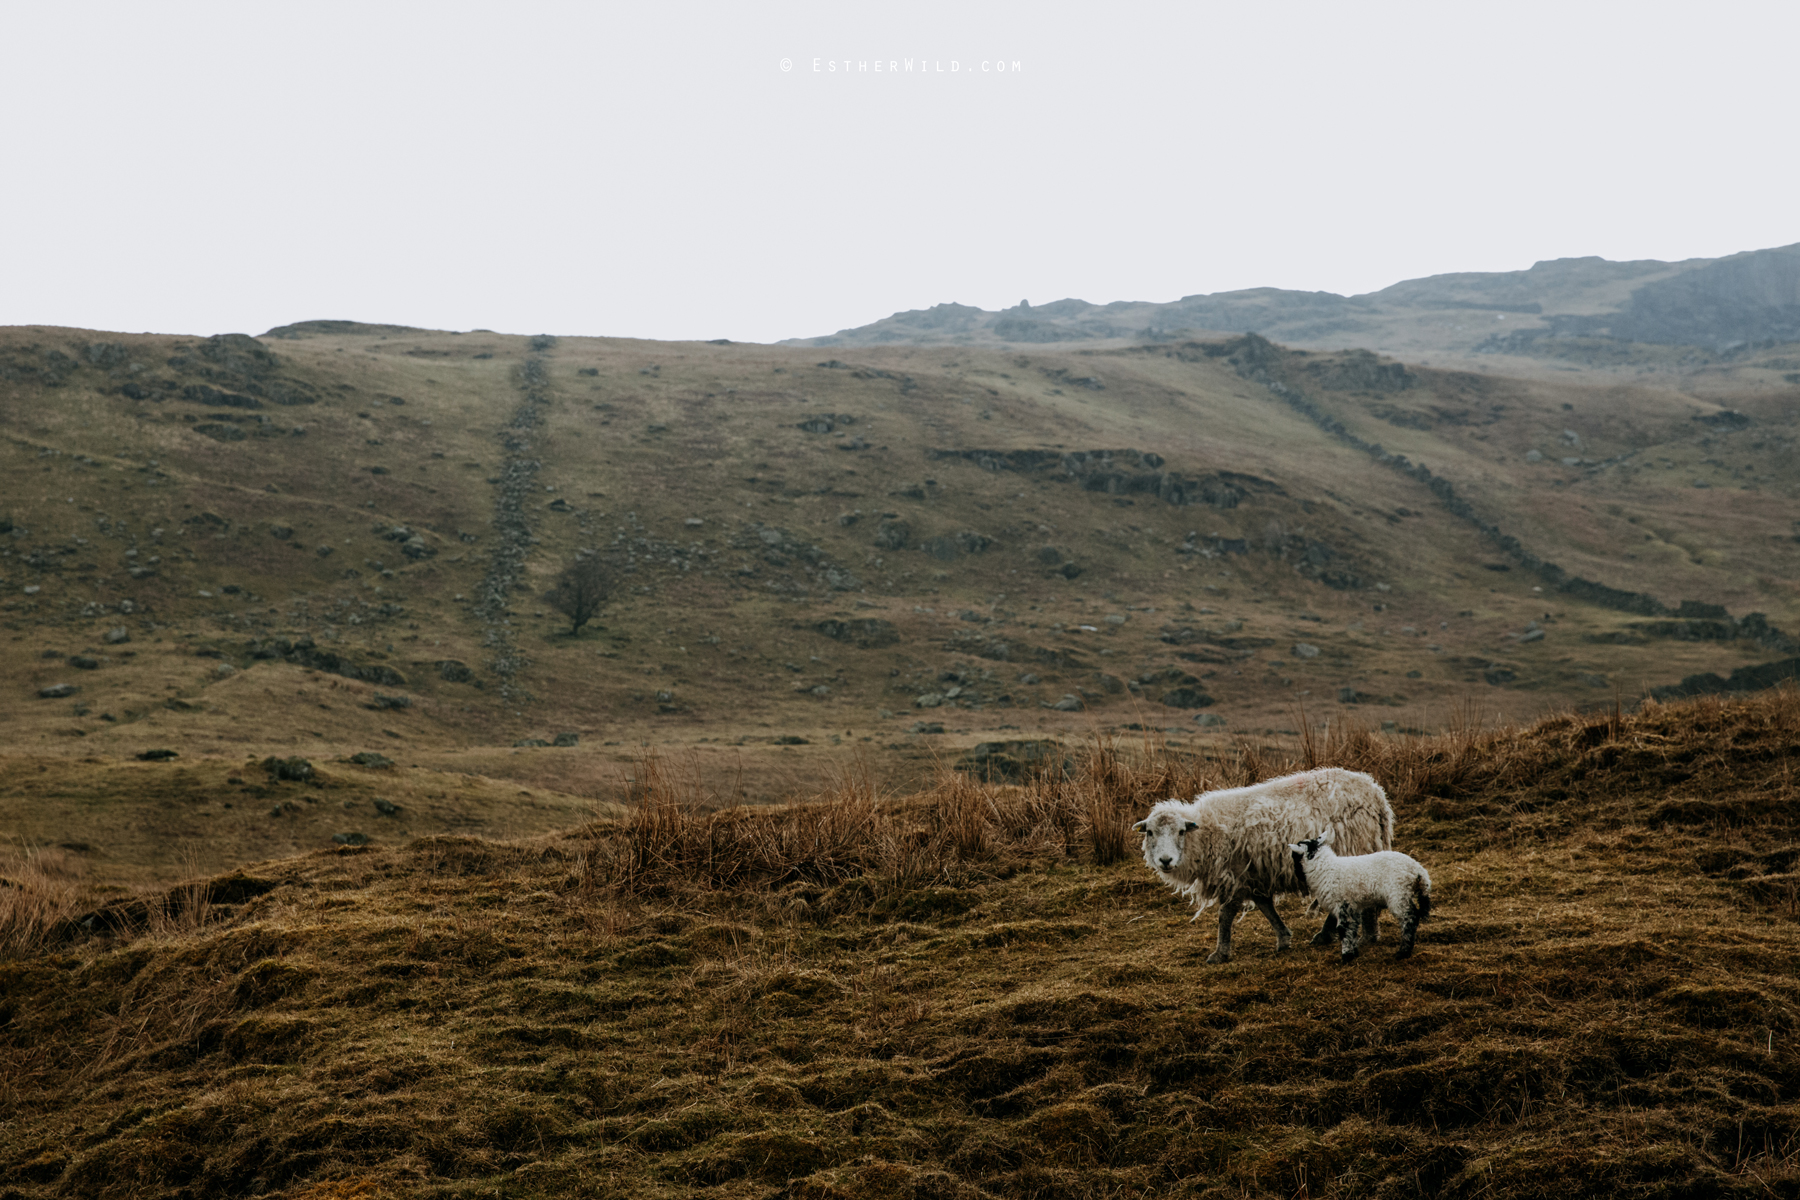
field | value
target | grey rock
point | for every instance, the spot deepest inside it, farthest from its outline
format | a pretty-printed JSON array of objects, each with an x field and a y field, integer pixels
[
  {"x": 369, "y": 758},
  {"x": 116, "y": 635},
  {"x": 290, "y": 770},
  {"x": 57, "y": 691},
  {"x": 1069, "y": 703},
  {"x": 929, "y": 700},
  {"x": 83, "y": 662},
  {"x": 926, "y": 727},
  {"x": 567, "y": 738},
  {"x": 1208, "y": 720},
  {"x": 1186, "y": 697},
  {"x": 531, "y": 742},
  {"x": 893, "y": 535},
  {"x": 386, "y": 808},
  {"x": 1305, "y": 650},
  {"x": 350, "y": 839}
]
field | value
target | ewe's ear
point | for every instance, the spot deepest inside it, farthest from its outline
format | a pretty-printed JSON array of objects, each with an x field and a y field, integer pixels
[
  {"x": 1325, "y": 836},
  {"x": 1189, "y": 826},
  {"x": 1142, "y": 826}
]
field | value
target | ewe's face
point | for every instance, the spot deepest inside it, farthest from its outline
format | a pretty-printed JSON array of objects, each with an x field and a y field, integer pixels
[{"x": 1163, "y": 837}]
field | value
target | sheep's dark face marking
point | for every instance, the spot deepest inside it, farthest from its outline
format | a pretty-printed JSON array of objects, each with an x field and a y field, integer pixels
[
  {"x": 1305, "y": 849},
  {"x": 1164, "y": 840}
]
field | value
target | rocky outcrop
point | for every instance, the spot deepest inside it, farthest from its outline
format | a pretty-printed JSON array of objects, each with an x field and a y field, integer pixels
[
  {"x": 1123, "y": 473},
  {"x": 1743, "y": 679}
]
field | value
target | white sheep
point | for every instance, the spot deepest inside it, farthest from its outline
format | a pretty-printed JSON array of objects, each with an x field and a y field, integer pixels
[
  {"x": 1345, "y": 885},
  {"x": 1229, "y": 846}
]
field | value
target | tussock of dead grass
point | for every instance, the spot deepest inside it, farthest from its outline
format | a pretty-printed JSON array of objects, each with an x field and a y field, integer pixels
[{"x": 963, "y": 993}]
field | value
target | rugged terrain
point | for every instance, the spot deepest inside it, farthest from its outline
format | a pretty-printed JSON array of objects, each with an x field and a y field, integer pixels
[
  {"x": 333, "y": 541},
  {"x": 971, "y": 991},
  {"x": 1582, "y": 309}
]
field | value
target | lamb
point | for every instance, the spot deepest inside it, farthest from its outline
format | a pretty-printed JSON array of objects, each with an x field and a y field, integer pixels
[
  {"x": 1345, "y": 885},
  {"x": 1231, "y": 846}
]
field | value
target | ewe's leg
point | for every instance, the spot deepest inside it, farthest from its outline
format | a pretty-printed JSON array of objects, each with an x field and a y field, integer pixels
[
  {"x": 1409, "y": 926},
  {"x": 1348, "y": 923},
  {"x": 1266, "y": 906},
  {"x": 1228, "y": 912},
  {"x": 1370, "y": 933},
  {"x": 1327, "y": 935}
]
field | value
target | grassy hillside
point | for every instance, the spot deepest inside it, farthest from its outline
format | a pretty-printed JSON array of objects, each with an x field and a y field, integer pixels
[
  {"x": 968, "y": 991},
  {"x": 334, "y": 541}
]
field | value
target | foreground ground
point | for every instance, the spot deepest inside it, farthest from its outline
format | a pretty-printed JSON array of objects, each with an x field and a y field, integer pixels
[{"x": 969, "y": 991}]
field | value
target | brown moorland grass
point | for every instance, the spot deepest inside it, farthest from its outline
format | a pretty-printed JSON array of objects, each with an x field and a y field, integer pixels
[{"x": 960, "y": 992}]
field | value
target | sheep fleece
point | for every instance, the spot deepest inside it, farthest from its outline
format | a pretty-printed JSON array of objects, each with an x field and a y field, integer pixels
[{"x": 1241, "y": 846}]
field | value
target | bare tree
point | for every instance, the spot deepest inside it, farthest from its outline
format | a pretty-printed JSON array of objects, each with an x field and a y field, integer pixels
[{"x": 583, "y": 589}]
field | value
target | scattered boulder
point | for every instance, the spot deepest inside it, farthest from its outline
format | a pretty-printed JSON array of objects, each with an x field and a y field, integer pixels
[
  {"x": 1208, "y": 720},
  {"x": 382, "y": 701},
  {"x": 1305, "y": 650},
  {"x": 1016, "y": 761},
  {"x": 289, "y": 770},
  {"x": 1069, "y": 703},
  {"x": 369, "y": 758},
  {"x": 1186, "y": 697},
  {"x": 452, "y": 671},
  {"x": 386, "y": 808},
  {"x": 157, "y": 755},
  {"x": 926, "y": 727},
  {"x": 567, "y": 737},
  {"x": 529, "y": 743},
  {"x": 117, "y": 635},
  {"x": 350, "y": 839},
  {"x": 868, "y": 633},
  {"x": 83, "y": 662},
  {"x": 57, "y": 691},
  {"x": 892, "y": 535}
]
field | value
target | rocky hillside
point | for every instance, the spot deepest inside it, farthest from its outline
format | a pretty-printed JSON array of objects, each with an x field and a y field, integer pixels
[
  {"x": 1715, "y": 304},
  {"x": 336, "y": 539}
]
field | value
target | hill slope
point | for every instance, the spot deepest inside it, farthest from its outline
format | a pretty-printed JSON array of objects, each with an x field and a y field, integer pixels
[
  {"x": 962, "y": 993},
  {"x": 335, "y": 540},
  {"x": 1713, "y": 303}
]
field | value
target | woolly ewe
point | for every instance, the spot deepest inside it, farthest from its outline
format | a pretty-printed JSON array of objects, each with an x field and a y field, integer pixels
[{"x": 1231, "y": 846}]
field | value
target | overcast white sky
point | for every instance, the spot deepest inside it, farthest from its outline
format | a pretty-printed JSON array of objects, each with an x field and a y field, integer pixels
[{"x": 652, "y": 170}]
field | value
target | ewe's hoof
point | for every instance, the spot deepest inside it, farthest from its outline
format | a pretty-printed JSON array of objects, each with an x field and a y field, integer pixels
[
  {"x": 1219, "y": 956},
  {"x": 1323, "y": 938},
  {"x": 1345, "y": 960},
  {"x": 1282, "y": 944},
  {"x": 1403, "y": 952}
]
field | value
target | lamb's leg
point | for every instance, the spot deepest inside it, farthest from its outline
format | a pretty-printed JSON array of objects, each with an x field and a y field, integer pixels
[
  {"x": 1409, "y": 926},
  {"x": 1266, "y": 906},
  {"x": 1327, "y": 935},
  {"x": 1370, "y": 933},
  {"x": 1346, "y": 915},
  {"x": 1228, "y": 912}
]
